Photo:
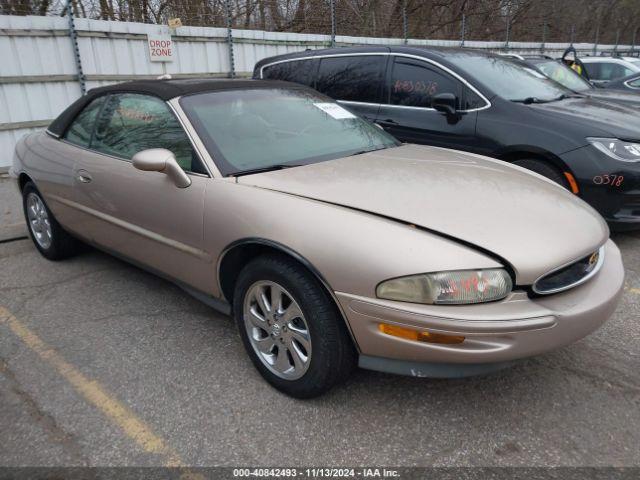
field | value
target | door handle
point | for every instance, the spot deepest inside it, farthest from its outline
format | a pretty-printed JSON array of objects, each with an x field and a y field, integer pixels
[
  {"x": 388, "y": 121},
  {"x": 83, "y": 176}
]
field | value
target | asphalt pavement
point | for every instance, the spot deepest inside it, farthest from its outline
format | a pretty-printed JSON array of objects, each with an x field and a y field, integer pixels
[
  {"x": 11, "y": 216},
  {"x": 102, "y": 364}
]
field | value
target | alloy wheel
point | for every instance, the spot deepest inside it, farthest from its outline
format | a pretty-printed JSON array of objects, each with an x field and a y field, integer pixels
[
  {"x": 39, "y": 222},
  {"x": 277, "y": 330}
]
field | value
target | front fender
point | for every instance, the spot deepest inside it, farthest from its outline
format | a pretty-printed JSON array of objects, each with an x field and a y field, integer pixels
[{"x": 352, "y": 250}]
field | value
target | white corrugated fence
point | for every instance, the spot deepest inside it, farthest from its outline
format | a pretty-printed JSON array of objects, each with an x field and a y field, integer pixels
[{"x": 39, "y": 77}]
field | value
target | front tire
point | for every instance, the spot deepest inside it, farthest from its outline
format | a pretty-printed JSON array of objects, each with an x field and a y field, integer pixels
[
  {"x": 48, "y": 236},
  {"x": 291, "y": 328}
]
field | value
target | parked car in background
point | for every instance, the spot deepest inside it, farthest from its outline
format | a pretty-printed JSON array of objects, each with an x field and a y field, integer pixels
[
  {"x": 630, "y": 84},
  {"x": 329, "y": 241},
  {"x": 608, "y": 68},
  {"x": 484, "y": 103},
  {"x": 564, "y": 75}
]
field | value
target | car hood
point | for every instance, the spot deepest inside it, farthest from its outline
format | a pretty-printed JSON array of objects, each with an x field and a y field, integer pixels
[
  {"x": 627, "y": 99},
  {"x": 597, "y": 117},
  {"x": 526, "y": 220}
]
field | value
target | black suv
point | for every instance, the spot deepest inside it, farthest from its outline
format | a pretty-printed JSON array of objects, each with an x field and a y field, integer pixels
[{"x": 488, "y": 104}]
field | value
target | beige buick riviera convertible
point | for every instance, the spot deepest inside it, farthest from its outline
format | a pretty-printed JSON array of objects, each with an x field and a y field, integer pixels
[{"x": 331, "y": 243}]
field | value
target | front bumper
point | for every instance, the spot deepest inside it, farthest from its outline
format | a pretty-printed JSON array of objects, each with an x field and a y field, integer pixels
[
  {"x": 610, "y": 186},
  {"x": 495, "y": 333}
]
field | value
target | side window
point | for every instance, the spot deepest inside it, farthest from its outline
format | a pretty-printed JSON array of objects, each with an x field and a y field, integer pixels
[
  {"x": 626, "y": 72},
  {"x": 415, "y": 83},
  {"x": 132, "y": 122},
  {"x": 635, "y": 83},
  {"x": 298, "y": 71},
  {"x": 81, "y": 129},
  {"x": 471, "y": 100},
  {"x": 357, "y": 79},
  {"x": 613, "y": 71},
  {"x": 607, "y": 71},
  {"x": 593, "y": 70}
]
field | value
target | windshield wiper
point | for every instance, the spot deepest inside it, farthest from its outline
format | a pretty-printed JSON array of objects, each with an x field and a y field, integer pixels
[
  {"x": 270, "y": 168},
  {"x": 566, "y": 95},
  {"x": 530, "y": 100}
]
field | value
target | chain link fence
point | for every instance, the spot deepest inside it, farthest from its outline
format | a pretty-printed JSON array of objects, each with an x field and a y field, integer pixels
[{"x": 609, "y": 22}]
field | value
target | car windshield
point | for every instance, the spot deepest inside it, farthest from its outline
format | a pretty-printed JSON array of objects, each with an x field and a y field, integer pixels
[
  {"x": 510, "y": 79},
  {"x": 263, "y": 129},
  {"x": 564, "y": 75}
]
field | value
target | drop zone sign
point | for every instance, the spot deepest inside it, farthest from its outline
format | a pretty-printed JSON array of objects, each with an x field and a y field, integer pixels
[{"x": 160, "y": 48}]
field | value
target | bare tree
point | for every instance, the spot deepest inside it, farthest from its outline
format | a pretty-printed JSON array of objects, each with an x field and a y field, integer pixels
[{"x": 484, "y": 19}]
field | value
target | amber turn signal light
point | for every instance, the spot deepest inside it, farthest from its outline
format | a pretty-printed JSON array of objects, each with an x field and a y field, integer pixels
[
  {"x": 572, "y": 182},
  {"x": 419, "y": 336}
]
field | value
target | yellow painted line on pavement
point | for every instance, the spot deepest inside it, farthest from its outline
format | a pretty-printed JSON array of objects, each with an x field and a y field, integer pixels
[
  {"x": 635, "y": 291},
  {"x": 93, "y": 392}
]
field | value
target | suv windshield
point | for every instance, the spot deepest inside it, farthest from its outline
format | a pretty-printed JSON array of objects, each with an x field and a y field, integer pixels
[
  {"x": 563, "y": 75},
  {"x": 265, "y": 129},
  {"x": 510, "y": 79}
]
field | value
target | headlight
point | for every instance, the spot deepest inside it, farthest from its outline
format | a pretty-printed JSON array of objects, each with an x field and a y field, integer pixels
[
  {"x": 448, "y": 288},
  {"x": 618, "y": 149}
]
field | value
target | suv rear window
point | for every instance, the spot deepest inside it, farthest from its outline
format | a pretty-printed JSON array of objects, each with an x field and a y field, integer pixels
[
  {"x": 298, "y": 71},
  {"x": 352, "y": 78}
]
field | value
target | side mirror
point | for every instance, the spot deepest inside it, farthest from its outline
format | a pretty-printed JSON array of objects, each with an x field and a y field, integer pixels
[
  {"x": 161, "y": 160},
  {"x": 445, "y": 102}
]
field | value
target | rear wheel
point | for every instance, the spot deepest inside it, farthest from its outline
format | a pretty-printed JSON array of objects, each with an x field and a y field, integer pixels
[
  {"x": 48, "y": 236},
  {"x": 542, "y": 168},
  {"x": 291, "y": 328}
]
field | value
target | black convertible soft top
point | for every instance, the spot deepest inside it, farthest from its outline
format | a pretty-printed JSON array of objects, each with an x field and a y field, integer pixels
[{"x": 164, "y": 89}]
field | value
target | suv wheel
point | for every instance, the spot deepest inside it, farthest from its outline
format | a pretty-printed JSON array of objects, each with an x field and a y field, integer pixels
[
  {"x": 48, "y": 236},
  {"x": 291, "y": 328}
]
